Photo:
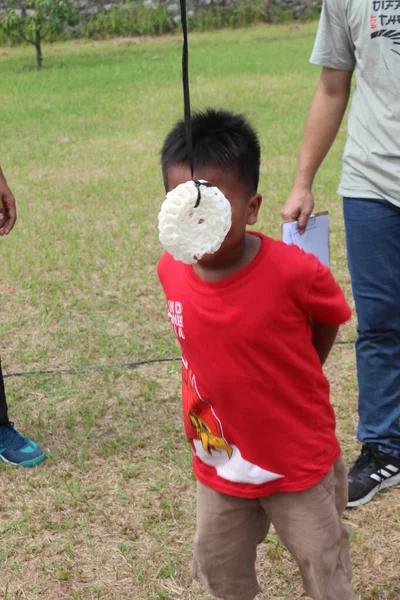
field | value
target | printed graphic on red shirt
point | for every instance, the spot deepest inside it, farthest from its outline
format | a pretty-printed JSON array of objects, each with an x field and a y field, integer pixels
[
  {"x": 175, "y": 315},
  {"x": 205, "y": 432},
  {"x": 200, "y": 416}
]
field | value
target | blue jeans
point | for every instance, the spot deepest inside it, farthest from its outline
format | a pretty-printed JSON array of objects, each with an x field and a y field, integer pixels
[{"x": 373, "y": 251}]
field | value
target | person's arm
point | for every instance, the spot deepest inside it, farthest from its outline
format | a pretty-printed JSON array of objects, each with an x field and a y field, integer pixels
[
  {"x": 8, "y": 211},
  {"x": 323, "y": 337},
  {"x": 323, "y": 122}
]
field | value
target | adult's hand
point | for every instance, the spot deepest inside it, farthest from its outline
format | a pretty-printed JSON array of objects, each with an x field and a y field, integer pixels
[
  {"x": 299, "y": 205},
  {"x": 8, "y": 211}
]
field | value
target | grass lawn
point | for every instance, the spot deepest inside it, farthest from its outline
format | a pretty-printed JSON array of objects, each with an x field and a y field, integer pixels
[{"x": 110, "y": 515}]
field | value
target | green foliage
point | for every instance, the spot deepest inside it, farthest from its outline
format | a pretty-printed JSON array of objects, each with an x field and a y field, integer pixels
[
  {"x": 280, "y": 15},
  {"x": 310, "y": 13},
  {"x": 286, "y": 15},
  {"x": 33, "y": 20},
  {"x": 4, "y": 41},
  {"x": 243, "y": 14},
  {"x": 49, "y": 17},
  {"x": 126, "y": 21}
]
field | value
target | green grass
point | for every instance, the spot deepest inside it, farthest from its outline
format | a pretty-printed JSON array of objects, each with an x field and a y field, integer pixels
[
  {"x": 110, "y": 515},
  {"x": 80, "y": 144}
]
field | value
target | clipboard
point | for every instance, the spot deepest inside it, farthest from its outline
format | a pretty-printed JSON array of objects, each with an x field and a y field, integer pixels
[{"x": 315, "y": 238}]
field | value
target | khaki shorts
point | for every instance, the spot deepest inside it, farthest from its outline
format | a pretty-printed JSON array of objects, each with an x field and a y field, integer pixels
[{"x": 308, "y": 523}]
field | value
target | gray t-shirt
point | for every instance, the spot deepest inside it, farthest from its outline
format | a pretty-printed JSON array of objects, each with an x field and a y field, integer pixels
[{"x": 364, "y": 36}]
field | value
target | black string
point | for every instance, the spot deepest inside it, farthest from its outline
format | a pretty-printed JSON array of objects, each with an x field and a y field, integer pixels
[
  {"x": 186, "y": 92},
  {"x": 198, "y": 184},
  {"x": 126, "y": 365},
  {"x": 72, "y": 370}
]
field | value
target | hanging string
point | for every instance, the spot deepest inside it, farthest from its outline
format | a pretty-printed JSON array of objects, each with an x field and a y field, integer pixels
[
  {"x": 124, "y": 365},
  {"x": 185, "y": 81}
]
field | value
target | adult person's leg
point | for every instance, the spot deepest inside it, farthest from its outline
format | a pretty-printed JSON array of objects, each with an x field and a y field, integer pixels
[
  {"x": 373, "y": 247},
  {"x": 15, "y": 449}
]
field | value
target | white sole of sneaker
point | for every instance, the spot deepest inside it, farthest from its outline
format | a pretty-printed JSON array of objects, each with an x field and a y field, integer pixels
[
  {"x": 382, "y": 486},
  {"x": 27, "y": 463}
]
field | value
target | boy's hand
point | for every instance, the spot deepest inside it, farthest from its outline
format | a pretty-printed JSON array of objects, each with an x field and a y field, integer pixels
[
  {"x": 323, "y": 337},
  {"x": 8, "y": 211}
]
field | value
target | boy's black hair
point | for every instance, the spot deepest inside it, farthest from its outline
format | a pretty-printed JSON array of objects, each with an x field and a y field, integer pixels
[{"x": 220, "y": 138}]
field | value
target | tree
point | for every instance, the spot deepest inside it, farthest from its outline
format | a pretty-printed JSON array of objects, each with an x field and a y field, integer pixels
[{"x": 32, "y": 20}]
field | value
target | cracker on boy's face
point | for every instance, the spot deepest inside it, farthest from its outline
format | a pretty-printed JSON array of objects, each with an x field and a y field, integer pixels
[{"x": 244, "y": 204}]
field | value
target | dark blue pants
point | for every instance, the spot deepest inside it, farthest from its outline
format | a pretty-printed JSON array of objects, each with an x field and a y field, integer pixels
[{"x": 373, "y": 247}]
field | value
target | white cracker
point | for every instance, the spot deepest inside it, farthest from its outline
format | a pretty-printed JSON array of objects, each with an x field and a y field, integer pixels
[{"x": 188, "y": 233}]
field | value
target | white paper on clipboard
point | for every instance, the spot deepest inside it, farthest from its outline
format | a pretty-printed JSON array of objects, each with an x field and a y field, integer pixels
[{"x": 315, "y": 239}]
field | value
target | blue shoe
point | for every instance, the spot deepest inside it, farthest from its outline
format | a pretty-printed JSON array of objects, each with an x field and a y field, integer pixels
[{"x": 16, "y": 449}]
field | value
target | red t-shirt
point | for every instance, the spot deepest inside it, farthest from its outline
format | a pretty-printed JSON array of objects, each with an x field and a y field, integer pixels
[{"x": 255, "y": 400}]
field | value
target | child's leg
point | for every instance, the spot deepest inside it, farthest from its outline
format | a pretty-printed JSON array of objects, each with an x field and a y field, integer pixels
[
  {"x": 309, "y": 524},
  {"x": 228, "y": 530}
]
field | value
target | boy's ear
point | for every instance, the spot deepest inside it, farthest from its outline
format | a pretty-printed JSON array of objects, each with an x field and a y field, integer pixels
[{"x": 252, "y": 209}]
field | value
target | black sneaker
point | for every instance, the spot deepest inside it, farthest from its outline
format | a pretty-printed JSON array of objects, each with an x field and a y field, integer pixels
[{"x": 372, "y": 472}]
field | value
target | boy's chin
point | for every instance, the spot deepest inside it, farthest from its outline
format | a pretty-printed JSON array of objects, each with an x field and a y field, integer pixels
[
  {"x": 206, "y": 259},
  {"x": 216, "y": 257}
]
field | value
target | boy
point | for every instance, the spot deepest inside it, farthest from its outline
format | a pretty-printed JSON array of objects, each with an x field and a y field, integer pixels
[{"x": 257, "y": 319}]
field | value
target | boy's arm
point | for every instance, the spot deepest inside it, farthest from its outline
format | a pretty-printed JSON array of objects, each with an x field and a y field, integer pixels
[
  {"x": 8, "y": 212},
  {"x": 323, "y": 337}
]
